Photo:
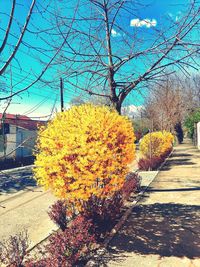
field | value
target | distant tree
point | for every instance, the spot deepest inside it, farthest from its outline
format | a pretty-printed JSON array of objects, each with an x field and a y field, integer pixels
[
  {"x": 141, "y": 127},
  {"x": 190, "y": 121},
  {"x": 99, "y": 100},
  {"x": 76, "y": 101},
  {"x": 165, "y": 106},
  {"x": 196, "y": 89},
  {"x": 191, "y": 91},
  {"x": 174, "y": 103}
]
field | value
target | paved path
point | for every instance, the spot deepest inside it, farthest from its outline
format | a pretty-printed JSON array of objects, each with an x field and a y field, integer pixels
[
  {"x": 23, "y": 205},
  {"x": 164, "y": 229}
]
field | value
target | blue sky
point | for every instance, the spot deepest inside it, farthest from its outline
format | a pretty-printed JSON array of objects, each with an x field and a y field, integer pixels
[{"x": 40, "y": 99}]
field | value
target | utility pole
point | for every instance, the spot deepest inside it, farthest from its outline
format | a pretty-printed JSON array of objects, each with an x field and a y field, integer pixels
[
  {"x": 61, "y": 95},
  {"x": 3, "y": 134}
]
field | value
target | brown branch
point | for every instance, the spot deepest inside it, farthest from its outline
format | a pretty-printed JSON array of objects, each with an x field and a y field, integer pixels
[
  {"x": 45, "y": 69},
  {"x": 8, "y": 27},
  {"x": 19, "y": 40}
]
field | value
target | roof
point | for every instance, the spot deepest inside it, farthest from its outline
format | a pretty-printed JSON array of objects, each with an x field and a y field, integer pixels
[{"x": 22, "y": 121}]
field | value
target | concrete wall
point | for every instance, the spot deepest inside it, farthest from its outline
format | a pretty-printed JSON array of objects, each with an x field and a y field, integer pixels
[
  {"x": 19, "y": 143},
  {"x": 10, "y": 141},
  {"x": 26, "y": 142}
]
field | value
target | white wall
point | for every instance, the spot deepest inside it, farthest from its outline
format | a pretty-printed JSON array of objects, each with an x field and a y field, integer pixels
[
  {"x": 26, "y": 142},
  {"x": 10, "y": 140},
  {"x": 19, "y": 143}
]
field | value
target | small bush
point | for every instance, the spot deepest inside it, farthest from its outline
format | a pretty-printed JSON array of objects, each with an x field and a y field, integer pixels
[
  {"x": 156, "y": 144},
  {"x": 13, "y": 250},
  {"x": 67, "y": 248},
  {"x": 146, "y": 164},
  {"x": 131, "y": 184},
  {"x": 72, "y": 244},
  {"x": 58, "y": 214},
  {"x": 103, "y": 213},
  {"x": 151, "y": 144}
]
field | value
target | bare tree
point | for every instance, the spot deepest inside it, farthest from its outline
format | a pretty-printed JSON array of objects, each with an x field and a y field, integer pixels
[
  {"x": 196, "y": 89},
  {"x": 192, "y": 90},
  {"x": 165, "y": 106},
  {"x": 171, "y": 102},
  {"x": 104, "y": 56}
]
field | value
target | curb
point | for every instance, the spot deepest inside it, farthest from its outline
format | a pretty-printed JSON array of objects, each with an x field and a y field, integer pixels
[
  {"x": 16, "y": 169},
  {"x": 94, "y": 262},
  {"x": 35, "y": 246}
]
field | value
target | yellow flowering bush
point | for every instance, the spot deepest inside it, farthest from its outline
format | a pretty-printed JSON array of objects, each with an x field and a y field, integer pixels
[
  {"x": 156, "y": 144},
  {"x": 169, "y": 139},
  {"x": 84, "y": 151}
]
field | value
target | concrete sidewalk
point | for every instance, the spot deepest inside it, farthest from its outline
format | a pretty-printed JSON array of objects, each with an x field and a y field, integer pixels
[
  {"x": 164, "y": 228},
  {"x": 24, "y": 206}
]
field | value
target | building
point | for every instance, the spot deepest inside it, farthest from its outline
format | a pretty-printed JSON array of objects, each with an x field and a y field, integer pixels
[{"x": 17, "y": 135}]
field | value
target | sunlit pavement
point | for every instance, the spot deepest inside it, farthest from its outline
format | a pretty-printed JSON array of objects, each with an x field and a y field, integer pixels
[
  {"x": 24, "y": 206},
  {"x": 164, "y": 229}
]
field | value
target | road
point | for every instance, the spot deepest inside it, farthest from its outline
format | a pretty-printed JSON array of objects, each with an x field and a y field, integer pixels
[{"x": 24, "y": 206}]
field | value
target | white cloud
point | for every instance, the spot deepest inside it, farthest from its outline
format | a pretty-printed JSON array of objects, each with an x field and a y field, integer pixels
[
  {"x": 114, "y": 33},
  {"x": 143, "y": 23}
]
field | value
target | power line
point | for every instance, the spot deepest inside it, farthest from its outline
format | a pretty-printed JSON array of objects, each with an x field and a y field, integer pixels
[{"x": 35, "y": 107}]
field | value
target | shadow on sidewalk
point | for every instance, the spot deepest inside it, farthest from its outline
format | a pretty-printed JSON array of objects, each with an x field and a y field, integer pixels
[
  {"x": 197, "y": 188},
  {"x": 177, "y": 162},
  {"x": 16, "y": 181},
  {"x": 161, "y": 229},
  {"x": 182, "y": 155}
]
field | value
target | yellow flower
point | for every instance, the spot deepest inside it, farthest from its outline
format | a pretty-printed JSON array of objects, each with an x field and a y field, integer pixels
[
  {"x": 83, "y": 151},
  {"x": 156, "y": 144}
]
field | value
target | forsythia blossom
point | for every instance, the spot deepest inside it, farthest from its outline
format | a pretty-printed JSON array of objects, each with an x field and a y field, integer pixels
[
  {"x": 84, "y": 151},
  {"x": 156, "y": 144}
]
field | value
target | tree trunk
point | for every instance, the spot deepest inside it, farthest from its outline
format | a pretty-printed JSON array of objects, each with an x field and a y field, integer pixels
[{"x": 117, "y": 104}]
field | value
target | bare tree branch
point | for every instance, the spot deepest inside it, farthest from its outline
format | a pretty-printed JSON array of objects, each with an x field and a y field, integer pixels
[
  {"x": 19, "y": 40},
  {"x": 9, "y": 26}
]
